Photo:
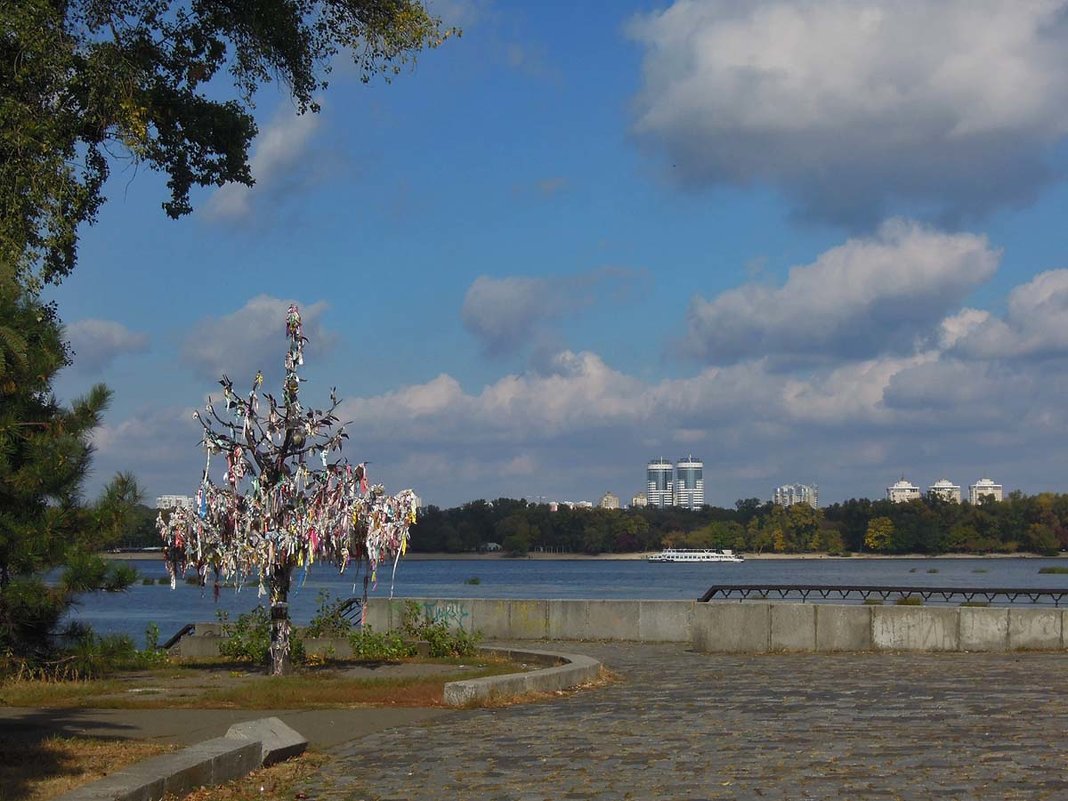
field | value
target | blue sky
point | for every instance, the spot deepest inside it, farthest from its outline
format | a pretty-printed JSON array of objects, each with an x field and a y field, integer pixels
[{"x": 805, "y": 241}]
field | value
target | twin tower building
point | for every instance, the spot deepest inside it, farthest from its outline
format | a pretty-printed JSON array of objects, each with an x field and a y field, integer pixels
[{"x": 679, "y": 484}]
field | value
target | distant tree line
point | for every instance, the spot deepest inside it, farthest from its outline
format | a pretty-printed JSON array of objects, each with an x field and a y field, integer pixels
[{"x": 1028, "y": 524}]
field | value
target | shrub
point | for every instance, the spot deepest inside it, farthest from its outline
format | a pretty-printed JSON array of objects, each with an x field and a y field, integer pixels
[
  {"x": 909, "y": 600},
  {"x": 372, "y": 645},
  {"x": 1056, "y": 570},
  {"x": 328, "y": 620},
  {"x": 248, "y": 639},
  {"x": 443, "y": 641}
]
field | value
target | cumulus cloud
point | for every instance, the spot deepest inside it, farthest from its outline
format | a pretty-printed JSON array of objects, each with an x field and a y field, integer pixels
[
  {"x": 1035, "y": 322},
  {"x": 507, "y": 314},
  {"x": 280, "y": 163},
  {"x": 250, "y": 339},
  {"x": 867, "y": 296},
  {"x": 97, "y": 343},
  {"x": 850, "y": 108}
]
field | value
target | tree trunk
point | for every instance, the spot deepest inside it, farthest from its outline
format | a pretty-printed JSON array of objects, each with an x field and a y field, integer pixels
[{"x": 280, "y": 628}]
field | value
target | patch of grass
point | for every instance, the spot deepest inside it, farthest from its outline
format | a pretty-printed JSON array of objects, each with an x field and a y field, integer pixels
[
  {"x": 217, "y": 686},
  {"x": 980, "y": 570},
  {"x": 932, "y": 570},
  {"x": 909, "y": 600},
  {"x": 36, "y": 769},
  {"x": 873, "y": 601},
  {"x": 1058, "y": 570},
  {"x": 280, "y": 782},
  {"x": 473, "y": 580}
]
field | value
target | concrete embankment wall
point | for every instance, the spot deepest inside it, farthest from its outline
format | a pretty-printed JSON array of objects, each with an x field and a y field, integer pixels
[{"x": 749, "y": 627}]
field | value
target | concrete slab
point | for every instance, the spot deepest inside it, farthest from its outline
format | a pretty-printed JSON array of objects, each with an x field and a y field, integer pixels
[
  {"x": 984, "y": 629},
  {"x": 793, "y": 627},
  {"x": 912, "y": 628},
  {"x": 612, "y": 620},
  {"x": 732, "y": 627},
  {"x": 568, "y": 620},
  {"x": 528, "y": 620},
  {"x": 665, "y": 621},
  {"x": 277, "y": 740},
  {"x": 1035, "y": 629},
  {"x": 843, "y": 628}
]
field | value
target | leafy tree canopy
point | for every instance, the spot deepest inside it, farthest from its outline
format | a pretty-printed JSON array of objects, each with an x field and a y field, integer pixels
[{"x": 166, "y": 83}]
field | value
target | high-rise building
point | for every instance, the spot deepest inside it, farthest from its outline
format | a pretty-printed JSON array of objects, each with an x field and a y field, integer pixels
[
  {"x": 659, "y": 485},
  {"x": 902, "y": 491},
  {"x": 639, "y": 501},
  {"x": 689, "y": 483},
  {"x": 944, "y": 489},
  {"x": 789, "y": 494},
  {"x": 982, "y": 488}
]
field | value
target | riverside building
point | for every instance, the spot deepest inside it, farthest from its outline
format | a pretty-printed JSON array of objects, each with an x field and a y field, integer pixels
[
  {"x": 984, "y": 488},
  {"x": 789, "y": 494},
  {"x": 944, "y": 489},
  {"x": 690, "y": 483},
  {"x": 659, "y": 483},
  {"x": 902, "y": 492}
]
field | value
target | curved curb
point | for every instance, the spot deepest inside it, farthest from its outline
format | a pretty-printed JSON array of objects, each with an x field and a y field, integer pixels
[{"x": 565, "y": 670}]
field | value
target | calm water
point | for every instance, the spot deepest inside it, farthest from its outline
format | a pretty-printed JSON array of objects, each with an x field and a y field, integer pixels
[{"x": 130, "y": 612}]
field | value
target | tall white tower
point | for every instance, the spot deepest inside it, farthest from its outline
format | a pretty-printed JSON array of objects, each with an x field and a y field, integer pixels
[
  {"x": 659, "y": 484},
  {"x": 690, "y": 483}
]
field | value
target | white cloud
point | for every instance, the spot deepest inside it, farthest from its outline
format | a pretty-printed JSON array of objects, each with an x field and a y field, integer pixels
[
  {"x": 281, "y": 161},
  {"x": 508, "y": 314},
  {"x": 850, "y": 106},
  {"x": 250, "y": 339},
  {"x": 1035, "y": 323},
  {"x": 868, "y": 296},
  {"x": 97, "y": 343}
]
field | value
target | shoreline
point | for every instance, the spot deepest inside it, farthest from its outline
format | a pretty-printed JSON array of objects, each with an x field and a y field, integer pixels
[{"x": 125, "y": 556}]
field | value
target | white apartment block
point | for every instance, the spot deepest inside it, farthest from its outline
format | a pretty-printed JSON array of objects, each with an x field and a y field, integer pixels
[
  {"x": 902, "y": 492},
  {"x": 944, "y": 489},
  {"x": 789, "y": 494},
  {"x": 985, "y": 487},
  {"x": 609, "y": 501},
  {"x": 174, "y": 502}
]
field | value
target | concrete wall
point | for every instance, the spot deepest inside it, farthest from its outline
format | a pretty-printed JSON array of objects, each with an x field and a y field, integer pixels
[{"x": 750, "y": 627}]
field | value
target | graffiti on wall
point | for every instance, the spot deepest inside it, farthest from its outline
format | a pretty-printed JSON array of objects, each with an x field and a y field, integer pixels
[{"x": 454, "y": 614}]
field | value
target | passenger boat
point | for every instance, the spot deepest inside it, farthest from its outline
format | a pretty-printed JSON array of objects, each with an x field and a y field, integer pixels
[{"x": 694, "y": 555}]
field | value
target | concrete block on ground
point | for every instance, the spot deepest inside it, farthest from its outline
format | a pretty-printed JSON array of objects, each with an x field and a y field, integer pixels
[
  {"x": 568, "y": 621},
  {"x": 1035, "y": 629},
  {"x": 277, "y": 740},
  {"x": 613, "y": 620},
  {"x": 528, "y": 620},
  {"x": 194, "y": 647},
  {"x": 915, "y": 628},
  {"x": 732, "y": 627},
  {"x": 984, "y": 628},
  {"x": 665, "y": 621},
  {"x": 793, "y": 627},
  {"x": 843, "y": 628},
  {"x": 575, "y": 670}
]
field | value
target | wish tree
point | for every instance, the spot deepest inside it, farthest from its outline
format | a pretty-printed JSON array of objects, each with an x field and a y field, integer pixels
[{"x": 287, "y": 498}]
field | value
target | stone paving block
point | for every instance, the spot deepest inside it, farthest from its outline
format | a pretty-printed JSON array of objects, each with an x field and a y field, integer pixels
[
  {"x": 793, "y": 627},
  {"x": 843, "y": 628},
  {"x": 984, "y": 629},
  {"x": 912, "y": 628},
  {"x": 1035, "y": 629}
]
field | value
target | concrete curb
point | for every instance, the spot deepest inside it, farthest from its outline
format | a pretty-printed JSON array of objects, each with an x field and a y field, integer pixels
[
  {"x": 246, "y": 747},
  {"x": 562, "y": 671}
]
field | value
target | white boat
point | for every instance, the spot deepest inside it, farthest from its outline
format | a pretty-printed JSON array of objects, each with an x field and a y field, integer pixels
[{"x": 694, "y": 555}]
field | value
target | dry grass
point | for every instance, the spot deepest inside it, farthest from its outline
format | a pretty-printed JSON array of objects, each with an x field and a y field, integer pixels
[
  {"x": 276, "y": 783},
  {"x": 38, "y": 769}
]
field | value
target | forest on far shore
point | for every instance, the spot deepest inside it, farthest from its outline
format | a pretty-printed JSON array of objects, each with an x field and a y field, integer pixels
[{"x": 1019, "y": 524}]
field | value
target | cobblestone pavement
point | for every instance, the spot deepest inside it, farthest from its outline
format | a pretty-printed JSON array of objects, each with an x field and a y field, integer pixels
[{"x": 683, "y": 725}]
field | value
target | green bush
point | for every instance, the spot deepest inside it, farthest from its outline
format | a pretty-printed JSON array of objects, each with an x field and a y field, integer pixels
[
  {"x": 909, "y": 600},
  {"x": 248, "y": 639},
  {"x": 372, "y": 645},
  {"x": 328, "y": 620},
  {"x": 1055, "y": 570},
  {"x": 443, "y": 641}
]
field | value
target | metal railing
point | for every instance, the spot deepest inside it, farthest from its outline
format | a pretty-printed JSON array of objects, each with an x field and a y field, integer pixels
[{"x": 804, "y": 592}]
